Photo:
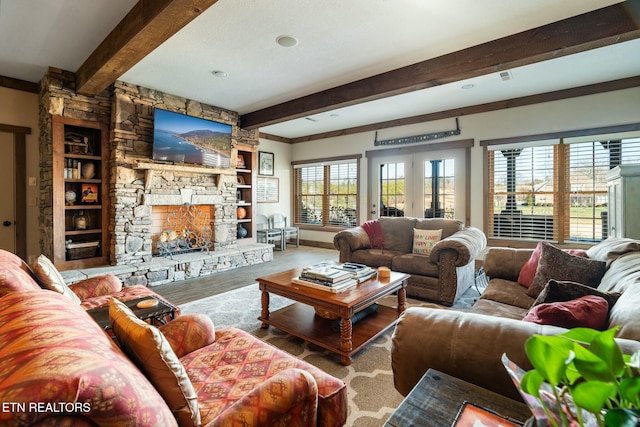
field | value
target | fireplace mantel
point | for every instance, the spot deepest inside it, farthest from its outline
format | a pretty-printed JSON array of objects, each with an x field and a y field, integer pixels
[{"x": 153, "y": 168}]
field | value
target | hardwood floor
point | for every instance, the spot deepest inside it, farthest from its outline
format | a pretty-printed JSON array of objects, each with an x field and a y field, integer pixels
[{"x": 193, "y": 289}]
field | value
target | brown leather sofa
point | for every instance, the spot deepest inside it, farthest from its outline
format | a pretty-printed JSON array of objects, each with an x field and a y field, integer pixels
[
  {"x": 441, "y": 276},
  {"x": 469, "y": 345}
]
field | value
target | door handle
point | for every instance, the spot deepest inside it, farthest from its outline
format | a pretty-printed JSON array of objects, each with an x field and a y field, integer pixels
[{"x": 7, "y": 223}]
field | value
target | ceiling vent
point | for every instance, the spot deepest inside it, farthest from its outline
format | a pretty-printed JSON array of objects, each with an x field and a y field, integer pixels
[{"x": 506, "y": 75}]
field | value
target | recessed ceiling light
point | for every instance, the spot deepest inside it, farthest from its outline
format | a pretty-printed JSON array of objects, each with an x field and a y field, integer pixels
[
  {"x": 219, "y": 73},
  {"x": 468, "y": 86},
  {"x": 287, "y": 41}
]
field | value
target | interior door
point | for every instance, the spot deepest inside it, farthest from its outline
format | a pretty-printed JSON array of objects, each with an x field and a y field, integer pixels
[
  {"x": 422, "y": 185},
  {"x": 7, "y": 207}
]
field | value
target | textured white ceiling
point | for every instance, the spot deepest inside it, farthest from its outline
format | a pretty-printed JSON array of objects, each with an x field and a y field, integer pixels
[{"x": 339, "y": 42}]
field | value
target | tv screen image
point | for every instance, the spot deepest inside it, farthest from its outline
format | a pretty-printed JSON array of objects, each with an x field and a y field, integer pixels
[{"x": 185, "y": 139}]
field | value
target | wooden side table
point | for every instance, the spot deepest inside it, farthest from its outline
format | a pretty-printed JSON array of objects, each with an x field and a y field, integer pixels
[
  {"x": 437, "y": 398},
  {"x": 157, "y": 313}
]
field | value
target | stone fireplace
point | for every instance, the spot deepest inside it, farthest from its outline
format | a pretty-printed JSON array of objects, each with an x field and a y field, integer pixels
[
  {"x": 181, "y": 229},
  {"x": 159, "y": 187},
  {"x": 139, "y": 187}
]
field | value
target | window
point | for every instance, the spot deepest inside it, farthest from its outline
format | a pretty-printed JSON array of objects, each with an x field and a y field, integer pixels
[
  {"x": 555, "y": 189},
  {"x": 326, "y": 193},
  {"x": 438, "y": 188},
  {"x": 392, "y": 189}
]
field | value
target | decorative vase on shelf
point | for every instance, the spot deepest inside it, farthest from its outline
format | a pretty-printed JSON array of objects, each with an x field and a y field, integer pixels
[
  {"x": 242, "y": 232},
  {"x": 241, "y": 213},
  {"x": 88, "y": 170}
]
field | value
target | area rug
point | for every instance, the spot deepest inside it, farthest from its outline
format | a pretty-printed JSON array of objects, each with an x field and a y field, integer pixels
[{"x": 372, "y": 396}]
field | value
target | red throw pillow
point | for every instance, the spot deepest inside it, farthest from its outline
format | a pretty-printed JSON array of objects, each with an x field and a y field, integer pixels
[
  {"x": 589, "y": 311},
  {"x": 528, "y": 270}
]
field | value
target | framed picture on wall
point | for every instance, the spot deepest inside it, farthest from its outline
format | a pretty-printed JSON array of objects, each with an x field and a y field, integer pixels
[
  {"x": 268, "y": 190},
  {"x": 265, "y": 163}
]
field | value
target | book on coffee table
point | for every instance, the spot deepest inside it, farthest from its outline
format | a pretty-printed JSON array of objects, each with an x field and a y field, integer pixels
[
  {"x": 328, "y": 274},
  {"x": 328, "y": 287}
]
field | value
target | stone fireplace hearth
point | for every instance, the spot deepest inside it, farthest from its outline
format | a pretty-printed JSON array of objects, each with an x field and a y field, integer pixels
[{"x": 137, "y": 184}]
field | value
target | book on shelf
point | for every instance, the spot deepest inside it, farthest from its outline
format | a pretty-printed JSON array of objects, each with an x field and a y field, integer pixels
[{"x": 334, "y": 288}]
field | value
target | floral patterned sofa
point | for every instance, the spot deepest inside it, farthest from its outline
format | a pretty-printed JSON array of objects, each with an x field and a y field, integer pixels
[{"x": 57, "y": 367}]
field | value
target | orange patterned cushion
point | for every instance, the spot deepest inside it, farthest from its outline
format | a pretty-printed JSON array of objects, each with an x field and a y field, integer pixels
[
  {"x": 105, "y": 285},
  {"x": 150, "y": 350},
  {"x": 189, "y": 333},
  {"x": 14, "y": 279},
  {"x": 223, "y": 372},
  {"x": 53, "y": 353},
  {"x": 288, "y": 398},
  {"x": 8, "y": 259},
  {"x": 15, "y": 274}
]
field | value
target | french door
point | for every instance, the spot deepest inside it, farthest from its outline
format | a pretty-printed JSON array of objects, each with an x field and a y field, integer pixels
[{"x": 424, "y": 185}]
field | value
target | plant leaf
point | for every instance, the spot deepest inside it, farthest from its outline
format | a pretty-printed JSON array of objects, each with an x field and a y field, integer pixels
[
  {"x": 590, "y": 366},
  {"x": 630, "y": 390},
  {"x": 531, "y": 382},
  {"x": 581, "y": 335},
  {"x": 620, "y": 417},
  {"x": 593, "y": 395},
  {"x": 635, "y": 360},
  {"x": 549, "y": 356},
  {"x": 606, "y": 348}
]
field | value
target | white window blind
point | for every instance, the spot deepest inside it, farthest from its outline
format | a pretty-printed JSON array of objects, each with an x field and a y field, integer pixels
[{"x": 554, "y": 191}]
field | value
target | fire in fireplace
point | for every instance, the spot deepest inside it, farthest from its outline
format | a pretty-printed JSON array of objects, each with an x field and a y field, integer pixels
[{"x": 186, "y": 228}]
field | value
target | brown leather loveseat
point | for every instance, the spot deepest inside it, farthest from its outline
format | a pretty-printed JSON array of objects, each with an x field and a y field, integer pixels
[{"x": 441, "y": 276}]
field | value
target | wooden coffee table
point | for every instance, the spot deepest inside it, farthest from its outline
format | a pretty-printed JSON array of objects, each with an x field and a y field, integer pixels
[{"x": 300, "y": 319}]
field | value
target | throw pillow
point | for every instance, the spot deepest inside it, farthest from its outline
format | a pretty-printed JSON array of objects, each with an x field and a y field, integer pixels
[
  {"x": 375, "y": 233},
  {"x": 150, "y": 351},
  {"x": 528, "y": 271},
  {"x": 561, "y": 291},
  {"x": 425, "y": 240},
  {"x": 51, "y": 279},
  {"x": 559, "y": 265},
  {"x": 589, "y": 311}
]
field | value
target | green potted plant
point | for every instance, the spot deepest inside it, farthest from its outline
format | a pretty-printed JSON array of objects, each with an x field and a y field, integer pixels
[{"x": 591, "y": 381}]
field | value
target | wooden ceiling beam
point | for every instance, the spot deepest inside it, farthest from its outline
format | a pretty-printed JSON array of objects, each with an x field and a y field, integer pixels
[
  {"x": 602, "y": 27},
  {"x": 19, "y": 84},
  {"x": 147, "y": 25},
  {"x": 593, "y": 89}
]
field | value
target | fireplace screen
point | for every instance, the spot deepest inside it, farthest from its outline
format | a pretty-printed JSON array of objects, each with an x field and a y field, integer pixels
[{"x": 186, "y": 229}]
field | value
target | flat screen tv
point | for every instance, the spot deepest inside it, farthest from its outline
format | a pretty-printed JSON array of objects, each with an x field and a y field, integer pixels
[{"x": 179, "y": 138}]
